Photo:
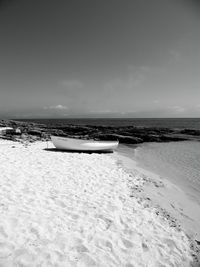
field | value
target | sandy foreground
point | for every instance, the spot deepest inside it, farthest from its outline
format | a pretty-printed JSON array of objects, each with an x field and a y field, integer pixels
[{"x": 78, "y": 209}]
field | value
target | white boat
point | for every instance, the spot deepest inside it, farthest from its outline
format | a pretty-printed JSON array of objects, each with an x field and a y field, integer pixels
[{"x": 65, "y": 143}]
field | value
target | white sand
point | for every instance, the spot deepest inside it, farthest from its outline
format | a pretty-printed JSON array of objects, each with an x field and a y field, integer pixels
[{"x": 76, "y": 209}]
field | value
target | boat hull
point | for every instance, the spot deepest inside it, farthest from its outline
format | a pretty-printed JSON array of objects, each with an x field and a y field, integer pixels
[{"x": 64, "y": 143}]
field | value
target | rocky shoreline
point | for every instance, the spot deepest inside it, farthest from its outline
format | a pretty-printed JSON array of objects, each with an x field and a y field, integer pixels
[{"x": 127, "y": 134}]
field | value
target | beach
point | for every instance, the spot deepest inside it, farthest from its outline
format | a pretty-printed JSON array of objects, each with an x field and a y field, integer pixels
[{"x": 79, "y": 209}]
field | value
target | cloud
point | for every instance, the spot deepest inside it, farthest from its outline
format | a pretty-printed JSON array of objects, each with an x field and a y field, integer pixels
[
  {"x": 105, "y": 111},
  {"x": 57, "y": 107},
  {"x": 132, "y": 79},
  {"x": 198, "y": 106},
  {"x": 177, "y": 109},
  {"x": 69, "y": 89},
  {"x": 71, "y": 84}
]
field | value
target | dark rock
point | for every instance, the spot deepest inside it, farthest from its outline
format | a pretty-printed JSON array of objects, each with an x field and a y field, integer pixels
[
  {"x": 120, "y": 138},
  {"x": 35, "y": 132},
  {"x": 190, "y": 132},
  {"x": 125, "y": 134},
  {"x": 167, "y": 138}
]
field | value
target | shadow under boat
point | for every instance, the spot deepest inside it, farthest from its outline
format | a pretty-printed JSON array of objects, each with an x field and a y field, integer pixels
[{"x": 79, "y": 151}]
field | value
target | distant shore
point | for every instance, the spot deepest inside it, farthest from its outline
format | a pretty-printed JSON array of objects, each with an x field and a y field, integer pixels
[{"x": 125, "y": 134}]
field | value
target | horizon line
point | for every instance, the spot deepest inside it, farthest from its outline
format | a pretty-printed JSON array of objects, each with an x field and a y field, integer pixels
[{"x": 94, "y": 118}]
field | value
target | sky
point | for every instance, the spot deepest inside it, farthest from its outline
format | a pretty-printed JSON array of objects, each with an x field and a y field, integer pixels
[{"x": 99, "y": 58}]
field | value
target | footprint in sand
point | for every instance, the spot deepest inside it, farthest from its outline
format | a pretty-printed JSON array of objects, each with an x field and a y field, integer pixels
[
  {"x": 5, "y": 250},
  {"x": 35, "y": 232},
  {"x": 105, "y": 222},
  {"x": 86, "y": 261},
  {"x": 3, "y": 234},
  {"x": 23, "y": 257},
  {"x": 81, "y": 249},
  {"x": 125, "y": 244},
  {"x": 145, "y": 247},
  {"x": 104, "y": 244},
  {"x": 73, "y": 216},
  {"x": 60, "y": 203}
]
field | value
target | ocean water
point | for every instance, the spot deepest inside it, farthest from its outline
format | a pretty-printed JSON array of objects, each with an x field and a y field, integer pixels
[
  {"x": 192, "y": 123},
  {"x": 178, "y": 162}
]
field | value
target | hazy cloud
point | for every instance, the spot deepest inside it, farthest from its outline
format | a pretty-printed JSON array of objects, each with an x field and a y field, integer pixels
[
  {"x": 106, "y": 111},
  {"x": 134, "y": 77},
  {"x": 71, "y": 84},
  {"x": 156, "y": 101},
  {"x": 177, "y": 109},
  {"x": 57, "y": 107}
]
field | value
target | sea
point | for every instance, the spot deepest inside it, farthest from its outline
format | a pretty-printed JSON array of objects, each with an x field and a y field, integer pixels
[
  {"x": 179, "y": 123},
  {"x": 179, "y": 162}
]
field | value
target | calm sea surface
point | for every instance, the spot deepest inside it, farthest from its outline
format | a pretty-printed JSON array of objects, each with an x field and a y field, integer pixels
[
  {"x": 192, "y": 123},
  {"x": 179, "y": 162}
]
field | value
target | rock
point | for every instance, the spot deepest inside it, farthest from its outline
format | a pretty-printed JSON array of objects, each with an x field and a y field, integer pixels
[
  {"x": 121, "y": 138},
  {"x": 35, "y": 132},
  {"x": 190, "y": 131},
  {"x": 168, "y": 138},
  {"x": 125, "y": 134}
]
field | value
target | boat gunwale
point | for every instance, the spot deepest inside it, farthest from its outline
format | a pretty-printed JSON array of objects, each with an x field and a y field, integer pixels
[{"x": 88, "y": 140}]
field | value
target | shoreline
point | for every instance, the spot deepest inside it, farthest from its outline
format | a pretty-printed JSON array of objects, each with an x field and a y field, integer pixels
[
  {"x": 128, "y": 134},
  {"x": 171, "y": 201}
]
